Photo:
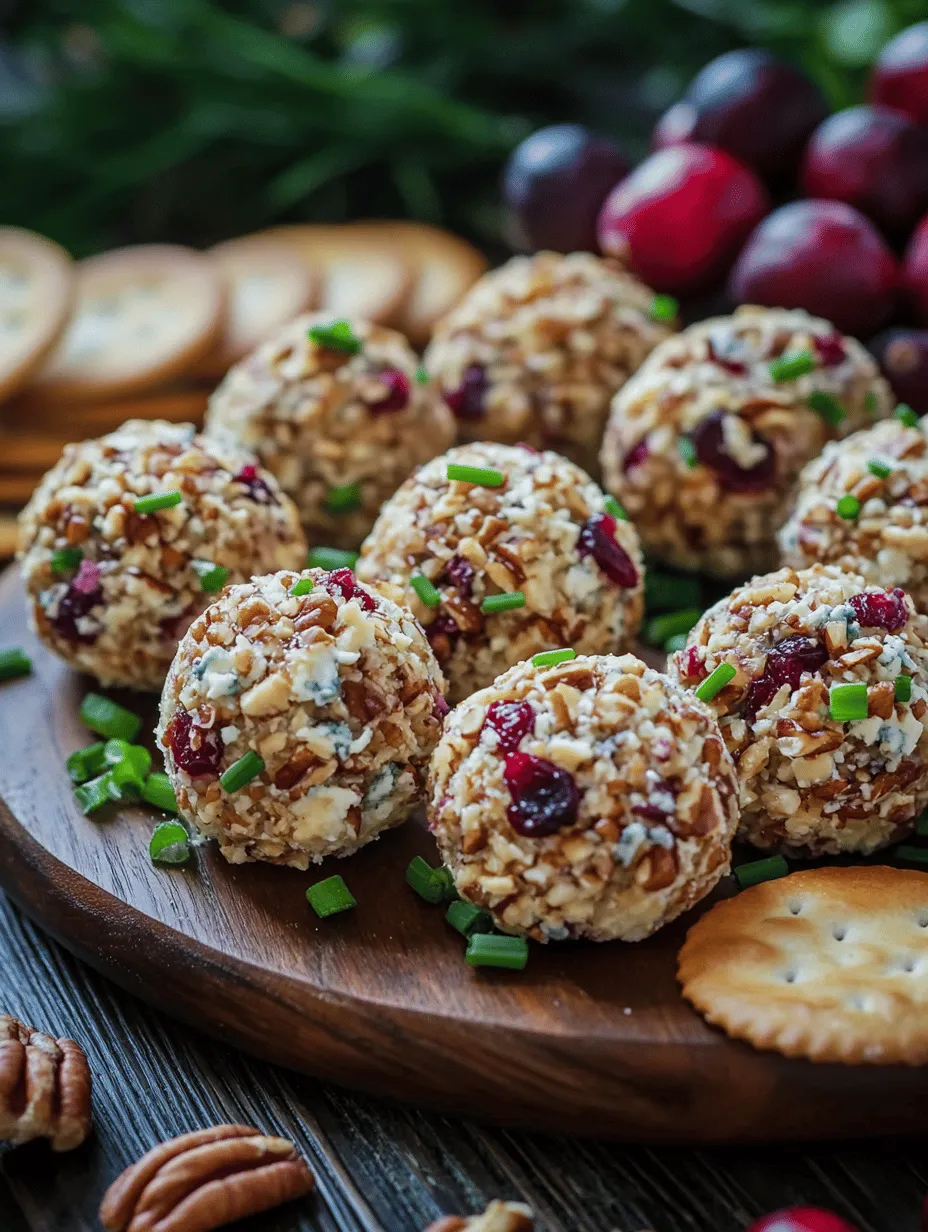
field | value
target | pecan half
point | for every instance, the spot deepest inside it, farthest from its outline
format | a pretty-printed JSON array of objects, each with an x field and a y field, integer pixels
[
  {"x": 205, "y": 1180},
  {"x": 44, "y": 1087},
  {"x": 498, "y": 1217}
]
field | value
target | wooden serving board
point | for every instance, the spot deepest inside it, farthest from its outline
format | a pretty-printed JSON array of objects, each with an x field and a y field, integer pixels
[{"x": 591, "y": 1039}]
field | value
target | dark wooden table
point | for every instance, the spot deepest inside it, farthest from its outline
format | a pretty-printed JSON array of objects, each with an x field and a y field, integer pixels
[{"x": 384, "y": 1167}]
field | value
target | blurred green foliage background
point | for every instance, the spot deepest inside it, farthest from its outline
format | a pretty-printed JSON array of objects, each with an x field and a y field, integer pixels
[{"x": 192, "y": 120}]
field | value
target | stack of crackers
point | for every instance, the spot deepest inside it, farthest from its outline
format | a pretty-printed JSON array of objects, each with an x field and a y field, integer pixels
[{"x": 147, "y": 332}]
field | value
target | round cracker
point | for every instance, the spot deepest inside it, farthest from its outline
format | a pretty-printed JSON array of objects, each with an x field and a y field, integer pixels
[
  {"x": 830, "y": 964},
  {"x": 36, "y": 291},
  {"x": 142, "y": 315}
]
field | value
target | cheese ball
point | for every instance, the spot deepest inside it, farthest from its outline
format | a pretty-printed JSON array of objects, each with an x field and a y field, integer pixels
[
  {"x": 704, "y": 445},
  {"x": 590, "y": 799},
  {"x": 331, "y": 696},
  {"x": 114, "y": 583},
  {"x": 863, "y": 504},
  {"x": 340, "y": 420},
  {"x": 824, "y": 714},
  {"x": 536, "y": 349},
  {"x": 544, "y": 534}
]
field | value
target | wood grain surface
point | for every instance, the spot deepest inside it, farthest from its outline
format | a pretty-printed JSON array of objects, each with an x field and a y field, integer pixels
[{"x": 589, "y": 1039}]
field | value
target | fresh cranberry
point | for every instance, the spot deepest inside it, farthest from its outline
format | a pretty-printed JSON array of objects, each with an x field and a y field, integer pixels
[
  {"x": 880, "y": 609},
  {"x": 84, "y": 593},
  {"x": 511, "y": 721},
  {"x": 460, "y": 573},
  {"x": 647, "y": 220},
  {"x": 786, "y": 663},
  {"x": 751, "y": 104},
  {"x": 830, "y": 350},
  {"x": 873, "y": 158},
  {"x": 900, "y": 75},
  {"x": 915, "y": 271},
  {"x": 635, "y": 456},
  {"x": 544, "y": 797},
  {"x": 206, "y": 757},
  {"x": 398, "y": 388},
  {"x": 257, "y": 487},
  {"x": 823, "y": 256},
  {"x": 344, "y": 581},
  {"x": 708, "y": 439},
  {"x": 802, "y": 1219},
  {"x": 903, "y": 357},
  {"x": 467, "y": 400},
  {"x": 597, "y": 539},
  {"x": 554, "y": 184}
]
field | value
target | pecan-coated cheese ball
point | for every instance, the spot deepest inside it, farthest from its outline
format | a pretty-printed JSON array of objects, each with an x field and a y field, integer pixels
[
  {"x": 543, "y": 536},
  {"x": 705, "y": 443},
  {"x": 335, "y": 411},
  {"x": 330, "y": 694},
  {"x": 590, "y": 799},
  {"x": 536, "y": 349},
  {"x": 863, "y": 504},
  {"x": 823, "y": 709},
  {"x": 127, "y": 537}
]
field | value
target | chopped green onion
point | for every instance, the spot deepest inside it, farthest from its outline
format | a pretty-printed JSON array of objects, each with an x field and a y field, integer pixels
[
  {"x": 116, "y": 750},
  {"x": 339, "y": 336},
  {"x": 668, "y": 591},
  {"x": 715, "y": 682},
  {"x": 483, "y": 476},
  {"x": 95, "y": 793},
  {"x": 444, "y": 879},
  {"x": 65, "y": 559},
  {"x": 848, "y": 702},
  {"x": 212, "y": 577},
  {"x": 687, "y": 451},
  {"x": 675, "y": 643},
  {"x": 157, "y": 790},
  {"x": 611, "y": 505},
  {"x": 433, "y": 884},
  {"x": 503, "y": 603},
  {"x": 548, "y": 658},
  {"x": 468, "y": 919},
  {"x": 13, "y": 663},
  {"x": 903, "y": 688},
  {"x": 493, "y": 950},
  {"x": 331, "y": 558},
  {"x": 330, "y": 896},
  {"x": 343, "y": 499},
  {"x": 848, "y": 507},
  {"x": 169, "y": 843},
  {"x": 760, "y": 870},
  {"x": 660, "y": 628},
  {"x": 882, "y": 470},
  {"x": 241, "y": 772},
  {"x": 127, "y": 780},
  {"x": 921, "y": 826},
  {"x": 825, "y": 405},
  {"x": 303, "y": 587},
  {"x": 86, "y": 763},
  {"x": 422, "y": 377},
  {"x": 789, "y": 367},
  {"x": 871, "y": 402},
  {"x": 906, "y": 415},
  {"x": 109, "y": 719},
  {"x": 425, "y": 590},
  {"x": 911, "y": 855},
  {"x": 664, "y": 308},
  {"x": 160, "y": 500}
]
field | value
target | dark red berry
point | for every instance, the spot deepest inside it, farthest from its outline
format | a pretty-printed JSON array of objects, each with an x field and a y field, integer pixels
[
  {"x": 872, "y": 158},
  {"x": 647, "y": 220},
  {"x": 708, "y": 439},
  {"x": 398, "y": 388},
  {"x": 83, "y": 594},
  {"x": 691, "y": 663},
  {"x": 635, "y": 456},
  {"x": 544, "y": 797},
  {"x": 460, "y": 573},
  {"x": 597, "y": 539},
  {"x": 554, "y": 184},
  {"x": 903, "y": 357},
  {"x": 830, "y": 350},
  {"x": 511, "y": 721},
  {"x": 900, "y": 75},
  {"x": 345, "y": 583},
  {"x": 258, "y": 488},
  {"x": 196, "y": 750},
  {"x": 467, "y": 400},
  {"x": 802, "y": 1219},
  {"x": 823, "y": 256},
  {"x": 880, "y": 609},
  {"x": 786, "y": 663},
  {"x": 915, "y": 271}
]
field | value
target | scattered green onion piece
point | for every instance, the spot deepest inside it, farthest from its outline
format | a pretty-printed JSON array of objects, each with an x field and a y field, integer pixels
[
  {"x": 109, "y": 719},
  {"x": 468, "y": 919},
  {"x": 169, "y": 843},
  {"x": 157, "y": 790},
  {"x": 503, "y": 603},
  {"x": 443, "y": 878},
  {"x": 65, "y": 559},
  {"x": 303, "y": 587},
  {"x": 117, "y": 750},
  {"x": 611, "y": 505},
  {"x": 425, "y": 881},
  {"x": 159, "y": 500},
  {"x": 911, "y": 855},
  {"x": 848, "y": 702},
  {"x": 882, "y": 470},
  {"x": 906, "y": 415},
  {"x": 789, "y": 367},
  {"x": 848, "y": 507},
  {"x": 715, "y": 682},
  {"x": 903, "y": 688},
  {"x": 871, "y": 402},
  {"x": 127, "y": 780},
  {"x": 339, "y": 336},
  {"x": 548, "y": 658},
  {"x": 343, "y": 499},
  {"x": 331, "y": 558},
  {"x": 483, "y": 476},
  {"x": 330, "y": 896},
  {"x": 921, "y": 826},
  {"x": 13, "y": 663},
  {"x": 493, "y": 950},
  {"x": 826, "y": 406},
  {"x": 760, "y": 870},
  {"x": 212, "y": 577},
  {"x": 669, "y": 592},
  {"x": 95, "y": 793},
  {"x": 664, "y": 308},
  {"x": 425, "y": 590},
  {"x": 422, "y": 377},
  {"x": 668, "y": 625},
  {"x": 687, "y": 451},
  {"x": 675, "y": 643},
  {"x": 86, "y": 763},
  {"x": 241, "y": 772}
]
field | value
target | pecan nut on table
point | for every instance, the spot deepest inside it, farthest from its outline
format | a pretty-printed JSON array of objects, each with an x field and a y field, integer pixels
[{"x": 44, "y": 1087}]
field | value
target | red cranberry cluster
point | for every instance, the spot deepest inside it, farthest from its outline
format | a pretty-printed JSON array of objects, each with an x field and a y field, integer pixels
[
  {"x": 343, "y": 582},
  {"x": 196, "y": 750},
  {"x": 786, "y": 663}
]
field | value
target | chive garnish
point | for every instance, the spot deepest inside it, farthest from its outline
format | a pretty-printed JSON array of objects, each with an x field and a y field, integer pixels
[
  {"x": 848, "y": 702},
  {"x": 906, "y": 415},
  {"x": 331, "y": 558},
  {"x": 493, "y": 950},
  {"x": 212, "y": 577},
  {"x": 339, "y": 336},
  {"x": 241, "y": 772},
  {"x": 611, "y": 505},
  {"x": 826, "y": 406},
  {"x": 435, "y": 885},
  {"x": 157, "y": 790},
  {"x": 109, "y": 719},
  {"x": 14, "y": 662},
  {"x": 666, "y": 591},
  {"x": 757, "y": 871},
  {"x": 425, "y": 590},
  {"x": 169, "y": 843},
  {"x": 882, "y": 470},
  {"x": 95, "y": 793},
  {"x": 548, "y": 658},
  {"x": 503, "y": 603},
  {"x": 343, "y": 499},
  {"x": 660, "y": 628},
  {"x": 86, "y": 763},
  {"x": 848, "y": 507},
  {"x": 159, "y": 500},
  {"x": 303, "y": 587},
  {"x": 664, "y": 308},
  {"x": 715, "y": 682},
  {"x": 911, "y": 855},
  {"x": 482, "y": 476},
  {"x": 468, "y": 919},
  {"x": 65, "y": 559},
  {"x": 330, "y": 896},
  {"x": 902, "y": 687},
  {"x": 687, "y": 451},
  {"x": 422, "y": 377},
  {"x": 789, "y": 367}
]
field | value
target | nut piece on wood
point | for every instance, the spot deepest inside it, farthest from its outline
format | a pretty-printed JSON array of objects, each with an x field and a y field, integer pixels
[
  {"x": 498, "y": 1217},
  {"x": 205, "y": 1180},
  {"x": 44, "y": 1087}
]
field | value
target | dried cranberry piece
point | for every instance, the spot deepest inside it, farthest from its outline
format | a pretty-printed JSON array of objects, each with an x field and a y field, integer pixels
[
  {"x": 691, "y": 664},
  {"x": 708, "y": 439},
  {"x": 880, "y": 609},
  {"x": 398, "y": 388},
  {"x": 467, "y": 400},
  {"x": 439, "y": 707},
  {"x": 785, "y": 664},
  {"x": 460, "y": 573},
  {"x": 344, "y": 582},
  {"x": 83, "y": 594},
  {"x": 257, "y": 487},
  {"x": 544, "y": 797},
  {"x": 511, "y": 721},
  {"x": 734, "y": 366},
  {"x": 635, "y": 456},
  {"x": 597, "y": 540},
  {"x": 830, "y": 349},
  {"x": 206, "y": 758}
]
